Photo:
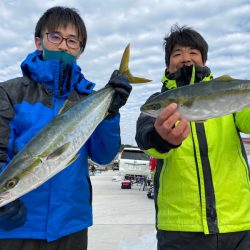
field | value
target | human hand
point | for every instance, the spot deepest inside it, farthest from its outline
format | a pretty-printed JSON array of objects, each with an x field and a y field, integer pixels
[
  {"x": 12, "y": 215},
  {"x": 122, "y": 91},
  {"x": 165, "y": 125}
]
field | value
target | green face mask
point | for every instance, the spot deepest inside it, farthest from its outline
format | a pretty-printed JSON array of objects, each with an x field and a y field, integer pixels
[{"x": 62, "y": 56}]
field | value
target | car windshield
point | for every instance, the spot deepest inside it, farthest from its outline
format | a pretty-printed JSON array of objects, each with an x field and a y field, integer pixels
[{"x": 134, "y": 155}]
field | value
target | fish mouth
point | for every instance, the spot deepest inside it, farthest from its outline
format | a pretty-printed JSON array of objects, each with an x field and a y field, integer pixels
[
  {"x": 152, "y": 107},
  {"x": 4, "y": 197}
]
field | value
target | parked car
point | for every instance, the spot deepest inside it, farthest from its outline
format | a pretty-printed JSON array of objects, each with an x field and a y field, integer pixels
[
  {"x": 134, "y": 162},
  {"x": 115, "y": 165},
  {"x": 126, "y": 184}
]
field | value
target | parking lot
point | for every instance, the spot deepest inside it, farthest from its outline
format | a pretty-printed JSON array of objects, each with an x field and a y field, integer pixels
[{"x": 123, "y": 218}]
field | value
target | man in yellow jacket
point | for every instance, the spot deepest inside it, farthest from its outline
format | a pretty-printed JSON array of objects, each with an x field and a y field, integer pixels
[{"x": 202, "y": 188}]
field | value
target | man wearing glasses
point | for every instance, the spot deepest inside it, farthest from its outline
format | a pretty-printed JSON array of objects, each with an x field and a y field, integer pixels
[{"x": 57, "y": 214}]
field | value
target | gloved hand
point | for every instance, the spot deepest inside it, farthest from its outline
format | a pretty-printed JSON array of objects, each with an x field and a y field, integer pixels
[
  {"x": 12, "y": 215},
  {"x": 122, "y": 91}
]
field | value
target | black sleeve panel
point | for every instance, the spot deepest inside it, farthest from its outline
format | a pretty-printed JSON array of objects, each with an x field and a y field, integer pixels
[
  {"x": 13, "y": 92},
  {"x": 6, "y": 115}
]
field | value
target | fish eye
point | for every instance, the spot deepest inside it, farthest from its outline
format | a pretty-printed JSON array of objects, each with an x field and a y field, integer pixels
[
  {"x": 156, "y": 106},
  {"x": 11, "y": 183}
]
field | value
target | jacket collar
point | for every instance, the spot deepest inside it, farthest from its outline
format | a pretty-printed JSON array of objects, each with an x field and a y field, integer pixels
[
  {"x": 54, "y": 75},
  {"x": 185, "y": 76}
]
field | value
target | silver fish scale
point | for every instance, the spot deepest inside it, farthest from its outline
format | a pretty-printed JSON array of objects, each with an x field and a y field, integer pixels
[
  {"x": 203, "y": 101},
  {"x": 72, "y": 128},
  {"x": 203, "y": 109}
]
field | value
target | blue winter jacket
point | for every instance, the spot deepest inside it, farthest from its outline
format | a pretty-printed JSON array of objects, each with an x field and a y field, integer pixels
[{"x": 62, "y": 205}]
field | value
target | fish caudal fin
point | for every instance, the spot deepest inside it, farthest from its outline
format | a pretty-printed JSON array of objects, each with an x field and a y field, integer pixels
[{"x": 124, "y": 70}]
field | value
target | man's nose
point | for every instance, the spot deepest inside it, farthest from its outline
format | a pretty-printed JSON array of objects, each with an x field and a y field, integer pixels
[
  {"x": 186, "y": 57},
  {"x": 63, "y": 45}
]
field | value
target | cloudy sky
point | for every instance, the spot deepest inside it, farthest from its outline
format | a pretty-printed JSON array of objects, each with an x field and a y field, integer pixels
[{"x": 112, "y": 24}]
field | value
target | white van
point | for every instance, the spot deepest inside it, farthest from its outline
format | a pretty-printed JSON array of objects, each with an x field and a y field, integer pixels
[{"x": 134, "y": 161}]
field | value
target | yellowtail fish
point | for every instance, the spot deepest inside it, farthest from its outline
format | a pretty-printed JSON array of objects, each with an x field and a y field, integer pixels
[
  {"x": 56, "y": 146},
  {"x": 205, "y": 100}
]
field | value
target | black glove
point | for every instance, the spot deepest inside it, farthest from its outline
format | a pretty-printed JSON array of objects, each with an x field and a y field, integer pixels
[
  {"x": 12, "y": 215},
  {"x": 122, "y": 90}
]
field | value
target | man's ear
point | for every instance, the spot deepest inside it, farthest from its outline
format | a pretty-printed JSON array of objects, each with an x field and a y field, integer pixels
[
  {"x": 79, "y": 54},
  {"x": 38, "y": 43}
]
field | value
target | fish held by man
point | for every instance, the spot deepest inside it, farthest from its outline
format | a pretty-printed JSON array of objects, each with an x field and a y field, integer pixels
[
  {"x": 204, "y": 100},
  {"x": 56, "y": 146}
]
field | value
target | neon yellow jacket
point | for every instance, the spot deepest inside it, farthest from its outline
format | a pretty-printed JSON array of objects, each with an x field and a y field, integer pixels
[{"x": 202, "y": 185}]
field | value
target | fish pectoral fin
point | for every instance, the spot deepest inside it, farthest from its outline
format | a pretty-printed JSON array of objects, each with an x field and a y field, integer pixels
[
  {"x": 124, "y": 69},
  {"x": 73, "y": 159},
  {"x": 58, "y": 151},
  {"x": 187, "y": 103}
]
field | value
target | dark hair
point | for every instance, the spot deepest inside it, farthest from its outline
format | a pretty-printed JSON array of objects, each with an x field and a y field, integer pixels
[
  {"x": 61, "y": 17},
  {"x": 184, "y": 36}
]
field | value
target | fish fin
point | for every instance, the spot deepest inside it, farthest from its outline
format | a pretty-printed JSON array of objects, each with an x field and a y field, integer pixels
[
  {"x": 134, "y": 79},
  {"x": 106, "y": 114},
  {"x": 73, "y": 159},
  {"x": 69, "y": 103},
  {"x": 124, "y": 69},
  {"x": 223, "y": 78},
  {"x": 185, "y": 103},
  {"x": 66, "y": 106},
  {"x": 125, "y": 60},
  {"x": 58, "y": 151}
]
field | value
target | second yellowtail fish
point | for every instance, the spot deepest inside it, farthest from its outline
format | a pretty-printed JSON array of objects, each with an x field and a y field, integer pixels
[{"x": 205, "y": 100}]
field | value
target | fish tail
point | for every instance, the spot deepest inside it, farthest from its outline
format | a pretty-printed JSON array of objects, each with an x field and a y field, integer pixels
[{"x": 124, "y": 69}]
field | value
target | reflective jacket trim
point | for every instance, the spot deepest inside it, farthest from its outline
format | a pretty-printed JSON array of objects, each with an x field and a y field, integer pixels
[
  {"x": 157, "y": 185},
  {"x": 211, "y": 214}
]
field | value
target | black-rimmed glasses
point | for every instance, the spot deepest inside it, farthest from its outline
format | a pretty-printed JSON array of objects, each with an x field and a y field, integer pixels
[{"x": 57, "y": 38}]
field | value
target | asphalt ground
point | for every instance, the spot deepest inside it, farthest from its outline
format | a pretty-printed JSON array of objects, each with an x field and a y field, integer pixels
[{"x": 124, "y": 219}]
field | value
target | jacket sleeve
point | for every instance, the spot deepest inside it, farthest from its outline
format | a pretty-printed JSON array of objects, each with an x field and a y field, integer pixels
[
  {"x": 242, "y": 120},
  {"x": 6, "y": 129},
  {"x": 105, "y": 141},
  {"x": 148, "y": 139}
]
